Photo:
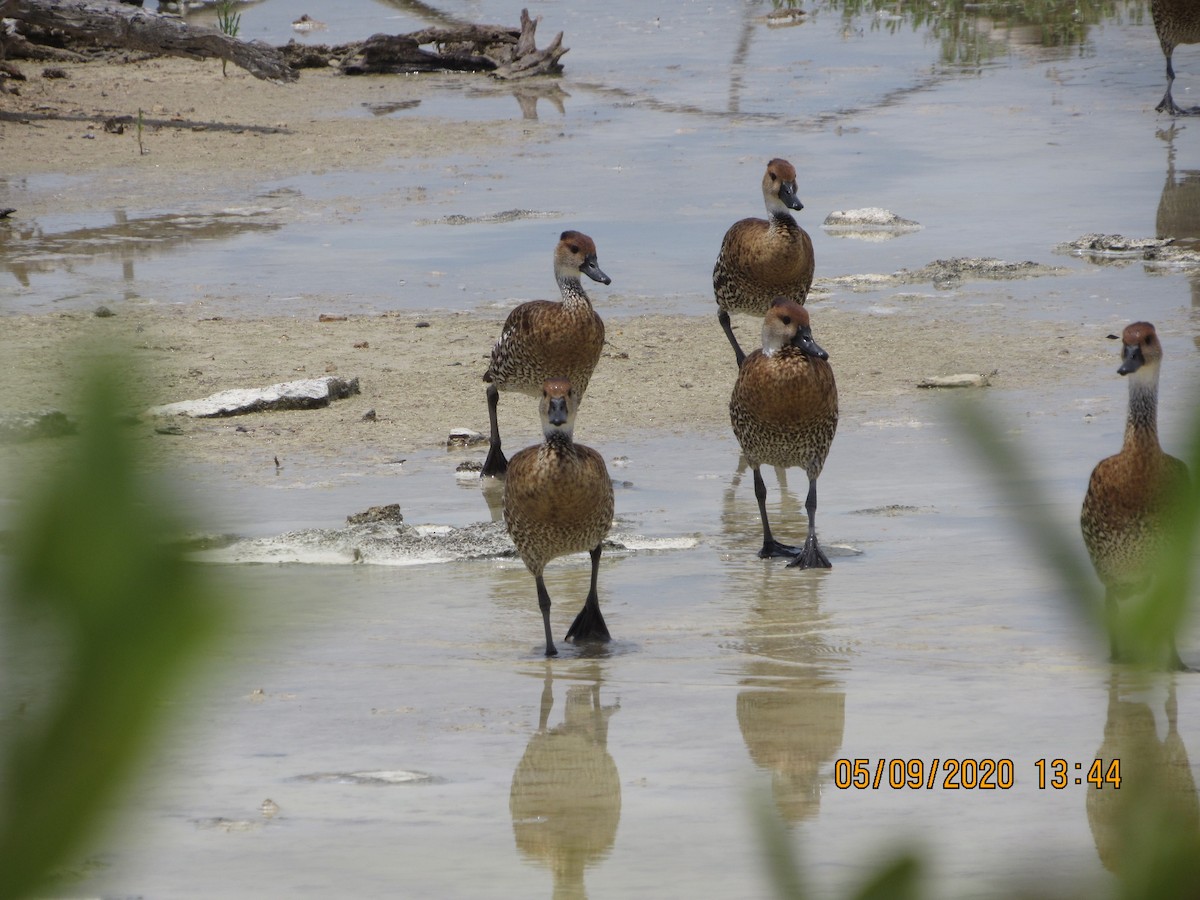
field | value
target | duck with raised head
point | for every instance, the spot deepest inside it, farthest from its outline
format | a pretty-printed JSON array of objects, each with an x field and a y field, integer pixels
[
  {"x": 762, "y": 259},
  {"x": 1126, "y": 511},
  {"x": 558, "y": 499},
  {"x": 545, "y": 339},
  {"x": 1176, "y": 22},
  {"x": 784, "y": 411}
]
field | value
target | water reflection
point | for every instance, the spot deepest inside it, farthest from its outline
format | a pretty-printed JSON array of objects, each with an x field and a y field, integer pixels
[
  {"x": 971, "y": 34},
  {"x": 1178, "y": 213},
  {"x": 26, "y": 249},
  {"x": 792, "y": 710},
  {"x": 1157, "y": 788},
  {"x": 566, "y": 793}
]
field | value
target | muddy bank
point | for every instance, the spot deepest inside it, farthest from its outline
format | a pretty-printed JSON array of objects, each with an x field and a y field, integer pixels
[
  {"x": 420, "y": 375},
  {"x": 204, "y": 135}
]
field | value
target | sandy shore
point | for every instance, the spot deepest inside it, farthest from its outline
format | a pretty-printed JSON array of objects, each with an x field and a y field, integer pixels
[{"x": 420, "y": 374}]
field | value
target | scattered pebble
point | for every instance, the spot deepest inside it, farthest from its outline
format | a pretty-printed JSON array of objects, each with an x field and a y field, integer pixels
[
  {"x": 390, "y": 513},
  {"x": 871, "y": 223},
  {"x": 463, "y": 437},
  {"x": 103, "y": 312},
  {"x": 308, "y": 23}
]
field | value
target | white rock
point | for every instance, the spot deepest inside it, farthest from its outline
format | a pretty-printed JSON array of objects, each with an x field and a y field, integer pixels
[
  {"x": 309, "y": 393},
  {"x": 969, "y": 379}
]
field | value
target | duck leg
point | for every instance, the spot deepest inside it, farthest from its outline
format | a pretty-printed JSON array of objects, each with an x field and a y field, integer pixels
[
  {"x": 723, "y": 318},
  {"x": 1174, "y": 663},
  {"x": 811, "y": 557},
  {"x": 770, "y": 547},
  {"x": 544, "y": 605},
  {"x": 589, "y": 624},
  {"x": 1110, "y": 620},
  {"x": 495, "y": 465},
  {"x": 1168, "y": 104}
]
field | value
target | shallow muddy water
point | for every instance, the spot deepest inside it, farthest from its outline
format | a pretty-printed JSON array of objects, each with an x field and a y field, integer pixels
[
  {"x": 401, "y": 717},
  {"x": 668, "y": 119}
]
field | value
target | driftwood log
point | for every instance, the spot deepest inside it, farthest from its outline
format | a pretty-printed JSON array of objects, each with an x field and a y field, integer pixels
[
  {"x": 503, "y": 52},
  {"x": 507, "y": 53},
  {"x": 113, "y": 25}
]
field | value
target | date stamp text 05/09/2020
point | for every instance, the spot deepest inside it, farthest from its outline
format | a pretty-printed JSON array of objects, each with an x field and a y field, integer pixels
[{"x": 967, "y": 773}]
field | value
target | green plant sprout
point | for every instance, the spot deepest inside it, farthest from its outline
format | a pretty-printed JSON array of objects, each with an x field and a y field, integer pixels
[{"x": 229, "y": 22}]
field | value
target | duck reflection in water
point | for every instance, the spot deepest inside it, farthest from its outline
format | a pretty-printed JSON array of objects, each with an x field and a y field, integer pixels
[
  {"x": 1178, "y": 215},
  {"x": 566, "y": 793},
  {"x": 1157, "y": 790},
  {"x": 791, "y": 711}
]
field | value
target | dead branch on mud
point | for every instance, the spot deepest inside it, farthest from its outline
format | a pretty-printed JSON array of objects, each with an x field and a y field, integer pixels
[
  {"x": 506, "y": 53},
  {"x": 114, "y": 25}
]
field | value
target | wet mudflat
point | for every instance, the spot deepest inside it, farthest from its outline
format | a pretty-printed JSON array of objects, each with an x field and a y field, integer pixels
[{"x": 400, "y": 719}]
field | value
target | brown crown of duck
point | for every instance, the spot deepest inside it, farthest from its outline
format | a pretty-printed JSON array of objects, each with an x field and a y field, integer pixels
[
  {"x": 575, "y": 255},
  {"x": 1139, "y": 347}
]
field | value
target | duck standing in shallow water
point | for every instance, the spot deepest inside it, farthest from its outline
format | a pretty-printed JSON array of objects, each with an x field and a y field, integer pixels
[
  {"x": 558, "y": 499},
  {"x": 1129, "y": 496},
  {"x": 784, "y": 411},
  {"x": 545, "y": 339},
  {"x": 1176, "y": 22},
  {"x": 762, "y": 259}
]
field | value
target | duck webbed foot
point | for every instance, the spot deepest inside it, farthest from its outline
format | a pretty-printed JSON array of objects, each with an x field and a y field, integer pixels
[
  {"x": 589, "y": 624},
  {"x": 496, "y": 464},
  {"x": 811, "y": 556},
  {"x": 772, "y": 548}
]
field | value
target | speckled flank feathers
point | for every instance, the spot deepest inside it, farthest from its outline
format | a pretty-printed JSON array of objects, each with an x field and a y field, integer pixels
[
  {"x": 762, "y": 259},
  {"x": 1129, "y": 495},
  {"x": 1176, "y": 22},
  {"x": 784, "y": 411},
  {"x": 545, "y": 339},
  {"x": 558, "y": 499}
]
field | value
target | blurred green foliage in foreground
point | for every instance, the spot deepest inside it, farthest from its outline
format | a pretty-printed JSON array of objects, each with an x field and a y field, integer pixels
[{"x": 99, "y": 616}]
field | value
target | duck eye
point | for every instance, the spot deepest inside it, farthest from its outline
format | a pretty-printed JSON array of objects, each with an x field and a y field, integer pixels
[
  {"x": 787, "y": 320},
  {"x": 1149, "y": 340},
  {"x": 572, "y": 248}
]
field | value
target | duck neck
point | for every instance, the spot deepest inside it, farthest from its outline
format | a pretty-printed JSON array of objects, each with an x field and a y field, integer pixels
[
  {"x": 782, "y": 220},
  {"x": 558, "y": 439},
  {"x": 572, "y": 290},
  {"x": 1141, "y": 427}
]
